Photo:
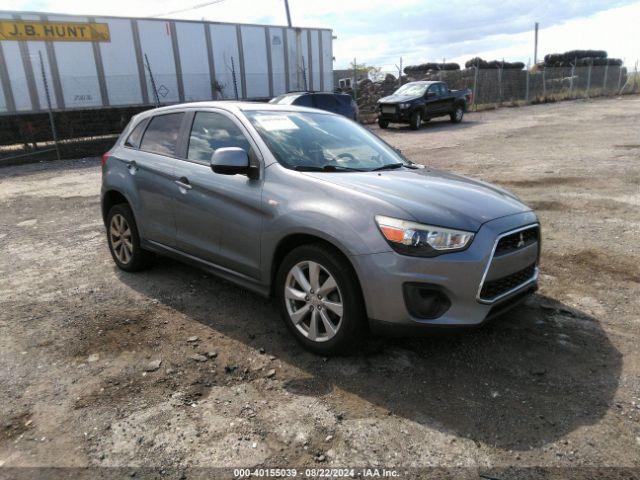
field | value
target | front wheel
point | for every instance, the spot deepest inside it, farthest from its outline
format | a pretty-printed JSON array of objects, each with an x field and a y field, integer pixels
[
  {"x": 458, "y": 113},
  {"x": 320, "y": 299},
  {"x": 416, "y": 120},
  {"x": 383, "y": 123}
]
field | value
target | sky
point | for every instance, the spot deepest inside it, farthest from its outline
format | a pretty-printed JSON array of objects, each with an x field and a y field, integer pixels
[{"x": 379, "y": 32}]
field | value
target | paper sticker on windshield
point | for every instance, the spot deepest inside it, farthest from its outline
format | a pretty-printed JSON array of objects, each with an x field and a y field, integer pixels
[{"x": 272, "y": 123}]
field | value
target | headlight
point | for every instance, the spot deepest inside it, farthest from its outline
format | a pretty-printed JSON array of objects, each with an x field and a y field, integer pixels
[
  {"x": 410, "y": 238},
  {"x": 404, "y": 105}
]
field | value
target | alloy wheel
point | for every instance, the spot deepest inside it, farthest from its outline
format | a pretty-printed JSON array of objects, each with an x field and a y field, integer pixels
[
  {"x": 313, "y": 300},
  {"x": 120, "y": 236}
]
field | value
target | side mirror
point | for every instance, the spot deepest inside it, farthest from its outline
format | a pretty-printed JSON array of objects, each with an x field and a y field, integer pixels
[
  {"x": 230, "y": 161},
  {"x": 431, "y": 94}
]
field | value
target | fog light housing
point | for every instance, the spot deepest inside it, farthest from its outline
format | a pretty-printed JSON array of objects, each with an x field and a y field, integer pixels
[{"x": 425, "y": 301}]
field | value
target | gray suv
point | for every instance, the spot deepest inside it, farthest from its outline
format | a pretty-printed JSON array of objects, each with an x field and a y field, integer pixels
[{"x": 314, "y": 209}]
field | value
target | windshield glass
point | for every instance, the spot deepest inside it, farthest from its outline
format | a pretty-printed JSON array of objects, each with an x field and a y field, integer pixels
[
  {"x": 413, "y": 89},
  {"x": 318, "y": 141}
]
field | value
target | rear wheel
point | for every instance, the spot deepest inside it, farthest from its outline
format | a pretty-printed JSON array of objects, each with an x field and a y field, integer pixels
[
  {"x": 320, "y": 299},
  {"x": 458, "y": 113},
  {"x": 124, "y": 241},
  {"x": 383, "y": 123},
  {"x": 416, "y": 120}
]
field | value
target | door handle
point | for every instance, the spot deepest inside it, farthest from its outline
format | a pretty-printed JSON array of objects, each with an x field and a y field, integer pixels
[{"x": 183, "y": 183}]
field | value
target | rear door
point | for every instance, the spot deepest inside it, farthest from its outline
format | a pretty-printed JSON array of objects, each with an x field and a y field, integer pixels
[
  {"x": 151, "y": 162},
  {"x": 218, "y": 217}
]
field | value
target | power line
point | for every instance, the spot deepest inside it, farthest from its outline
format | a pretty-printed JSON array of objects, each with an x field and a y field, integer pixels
[{"x": 194, "y": 7}]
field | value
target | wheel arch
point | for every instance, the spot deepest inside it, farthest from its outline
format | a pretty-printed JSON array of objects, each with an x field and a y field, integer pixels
[
  {"x": 110, "y": 198},
  {"x": 295, "y": 240}
]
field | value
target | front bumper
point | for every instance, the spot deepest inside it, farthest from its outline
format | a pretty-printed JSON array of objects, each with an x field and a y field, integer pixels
[
  {"x": 398, "y": 116},
  {"x": 459, "y": 275}
]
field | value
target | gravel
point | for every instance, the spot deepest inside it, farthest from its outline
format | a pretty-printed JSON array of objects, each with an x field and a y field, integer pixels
[{"x": 406, "y": 403}]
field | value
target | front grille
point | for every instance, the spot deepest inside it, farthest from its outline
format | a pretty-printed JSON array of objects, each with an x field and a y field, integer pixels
[
  {"x": 495, "y": 288},
  {"x": 516, "y": 241}
]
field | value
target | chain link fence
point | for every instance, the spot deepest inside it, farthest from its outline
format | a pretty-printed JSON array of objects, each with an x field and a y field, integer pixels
[
  {"x": 508, "y": 87},
  {"x": 87, "y": 127}
]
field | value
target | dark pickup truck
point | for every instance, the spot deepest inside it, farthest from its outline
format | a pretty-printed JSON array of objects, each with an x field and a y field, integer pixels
[{"x": 418, "y": 102}]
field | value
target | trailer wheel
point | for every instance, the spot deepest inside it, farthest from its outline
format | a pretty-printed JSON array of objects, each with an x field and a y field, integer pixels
[{"x": 383, "y": 123}]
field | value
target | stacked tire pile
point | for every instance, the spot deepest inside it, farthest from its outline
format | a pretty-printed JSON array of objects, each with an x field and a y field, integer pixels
[
  {"x": 605, "y": 73},
  {"x": 482, "y": 64},
  {"x": 430, "y": 69},
  {"x": 581, "y": 58},
  {"x": 369, "y": 92}
]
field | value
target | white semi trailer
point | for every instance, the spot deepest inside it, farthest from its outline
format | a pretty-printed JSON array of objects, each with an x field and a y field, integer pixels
[{"x": 106, "y": 62}]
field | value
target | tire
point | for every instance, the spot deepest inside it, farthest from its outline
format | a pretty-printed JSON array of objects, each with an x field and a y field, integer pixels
[
  {"x": 416, "y": 120},
  {"x": 128, "y": 256},
  {"x": 383, "y": 123},
  {"x": 295, "y": 297},
  {"x": 458, "y": 113}
]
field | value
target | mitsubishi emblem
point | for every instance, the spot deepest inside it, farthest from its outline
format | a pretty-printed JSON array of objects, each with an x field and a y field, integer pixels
[{"x": 521, "y": 241}]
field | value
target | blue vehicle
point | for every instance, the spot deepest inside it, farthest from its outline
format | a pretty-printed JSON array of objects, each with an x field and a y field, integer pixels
[{"x": 339, "y": 103}]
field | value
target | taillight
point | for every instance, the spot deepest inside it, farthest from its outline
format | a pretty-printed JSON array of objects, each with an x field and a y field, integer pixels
[{"x": 105, "y": 156}]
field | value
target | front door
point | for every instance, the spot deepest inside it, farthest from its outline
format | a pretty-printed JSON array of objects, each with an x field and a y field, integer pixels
[{"x": 218, "y": 217}]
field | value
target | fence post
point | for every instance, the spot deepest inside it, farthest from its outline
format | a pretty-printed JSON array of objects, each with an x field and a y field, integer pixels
[
  {"x": 54, "y": 133},
  {"x": 355, "y": 80},
  {"x": 544, "y": 83},
  {"x": 526, "y": 88},
  {"x": 589, "y": 78},
  {"x": 573, "y": 72},
  {"x": 604, "y": 82},
  {"x": 475, "y": 88},
  {"x": 500, "y": 83},
  {"x": 619, "y": 79}
]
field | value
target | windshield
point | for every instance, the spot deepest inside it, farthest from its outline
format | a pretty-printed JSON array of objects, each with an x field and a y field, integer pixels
[
  {"x": 318, "y": 141},
  {"x": 413, "y": 89}
]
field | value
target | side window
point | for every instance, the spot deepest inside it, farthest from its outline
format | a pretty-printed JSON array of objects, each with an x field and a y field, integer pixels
[
  {"x": 326, "y": 102},
  {"x": 162, "y": 134},
  {"x": 303, "y": 101},
  {"x": 211, "y": 131},
  {"x": 136, "y": 135},
  {"x": 434, "y": 89},
  {"x": 443, "y": 89}
]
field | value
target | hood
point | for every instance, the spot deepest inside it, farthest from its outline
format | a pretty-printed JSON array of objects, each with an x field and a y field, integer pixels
[
  {"x": 398, "y": 98},
  {"x": 432, "y": 197}
]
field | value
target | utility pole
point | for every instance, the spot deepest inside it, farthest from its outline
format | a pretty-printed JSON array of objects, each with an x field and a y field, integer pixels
[
  {"x": 535, "y": 46},
  {"x": 286, "y": 6}
]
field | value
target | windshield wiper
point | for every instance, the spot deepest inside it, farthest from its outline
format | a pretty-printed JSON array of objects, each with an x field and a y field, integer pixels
[
  {"x": 326, "y": 168},
  {"x": 390, "y": 166}
]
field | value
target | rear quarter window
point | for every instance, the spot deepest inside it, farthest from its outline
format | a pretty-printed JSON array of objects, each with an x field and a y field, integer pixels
[
  {"x": 133, "y": 140},
  {"x": 161, "y": 135}
]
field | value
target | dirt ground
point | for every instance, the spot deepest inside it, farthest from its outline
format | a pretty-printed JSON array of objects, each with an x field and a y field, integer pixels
[{"x": 97, "y": 366}]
